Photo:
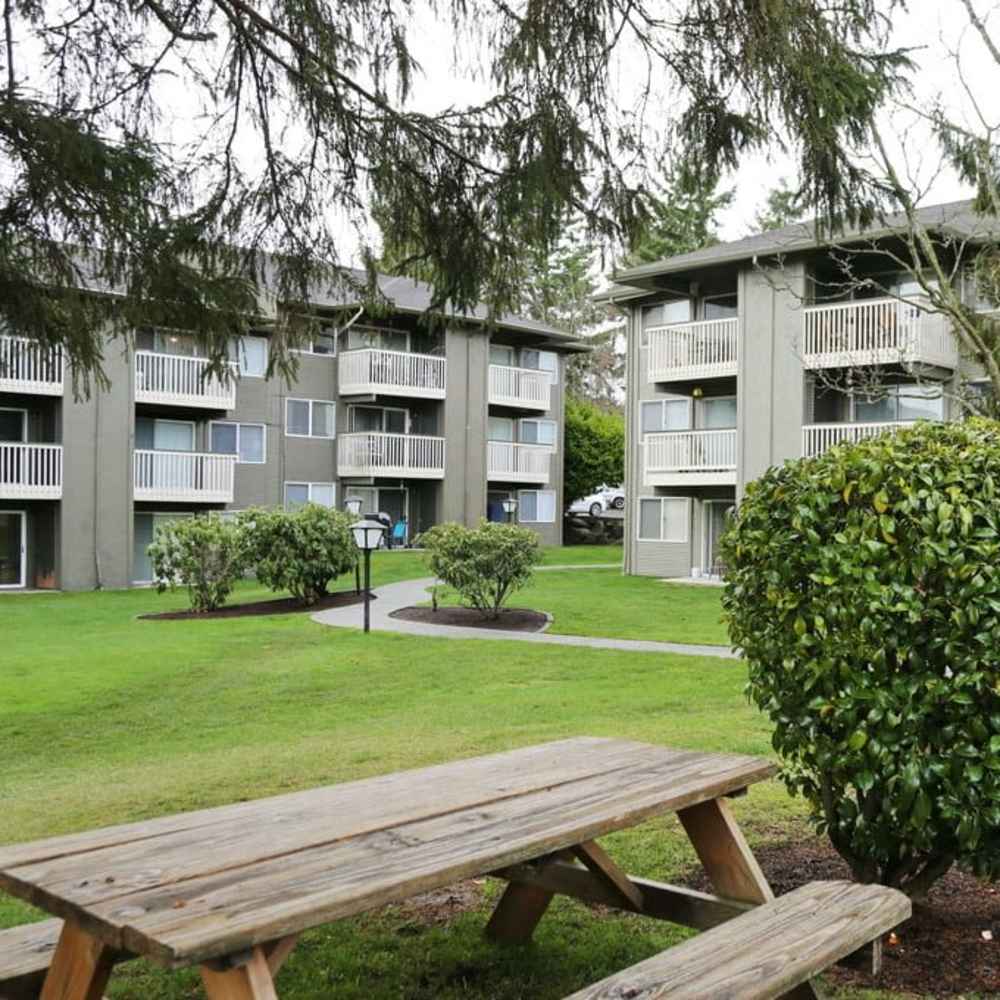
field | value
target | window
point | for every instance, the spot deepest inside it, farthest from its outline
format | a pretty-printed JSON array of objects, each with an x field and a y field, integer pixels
[
  {"x": 174, "y": 342},
  {"x": 324, "y": 343},
  {"x": 548, "y": 361},
  {"x": 720, "y": 307},
  {"x": 536, "y": 506},
  {"x": 718, "y": 414},
  {"x": 297, "y": 494},
  {"x": 309, "y": 418},
  {"x": 164, "y": 435},
  {"x": 359, "y": 337},
  {"x": 501, "y": 429},
  {"x": 663, "y": 519},
  {"x": 250, "y": 353},
  {"x": 538, "y": 432},
  {"x": 377, "y": 419},
  {"x": 501, "y": 354},
  {"x": 246, "y": 441},
  {"x": 665, "y": 415},
  {"x": 665, "y": 313},
  {"x": 900, "y": 402}
]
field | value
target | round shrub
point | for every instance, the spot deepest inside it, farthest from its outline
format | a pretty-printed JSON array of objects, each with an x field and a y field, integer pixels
[{"x": 864, "y": 590}]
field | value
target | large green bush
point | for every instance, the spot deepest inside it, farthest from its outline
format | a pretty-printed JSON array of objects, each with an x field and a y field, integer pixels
[
  {"x": 299, "y": 551},
  {"x": 864, "y": 589},
  {"x": 594, "y": 450},
  {"x": 205, "y": 554},
  {"x": 485, "y": 564}
]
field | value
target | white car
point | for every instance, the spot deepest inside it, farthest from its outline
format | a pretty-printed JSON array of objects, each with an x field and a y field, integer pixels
[{"x": 602, "y": 499}]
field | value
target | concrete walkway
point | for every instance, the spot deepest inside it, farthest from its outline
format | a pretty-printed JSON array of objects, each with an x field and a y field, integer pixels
[{"x": 407, "y": 593}]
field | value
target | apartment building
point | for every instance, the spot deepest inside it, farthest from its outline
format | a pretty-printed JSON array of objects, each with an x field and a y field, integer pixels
[
  {"x": 745, "y": 354},
  {"x": 427, "y": 423}
]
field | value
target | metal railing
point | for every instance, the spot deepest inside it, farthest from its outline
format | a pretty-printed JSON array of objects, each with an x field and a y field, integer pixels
[
  {"x": 368, "y": 370},
  {"x": 518, "y": 463},
  {"x": 371, "y": 453},
  {"x": 682, "y": 351},
  {"x": 179, "y": 380},
  {"x": 528, "y": 388},
  {"x": 31, "y": 471},
  {"x": 30, "y": 367},
  {"x": 184, "y": 476}
]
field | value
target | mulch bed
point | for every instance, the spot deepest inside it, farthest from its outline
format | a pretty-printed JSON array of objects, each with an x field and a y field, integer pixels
[
  {"x": 940, "y": 952},
  {"x": 510, "y": 620},
  {"x": 281, "y": 606}
]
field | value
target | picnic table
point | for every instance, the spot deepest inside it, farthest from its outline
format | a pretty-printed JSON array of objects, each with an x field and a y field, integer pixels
[{"x": 230, "y": 889}]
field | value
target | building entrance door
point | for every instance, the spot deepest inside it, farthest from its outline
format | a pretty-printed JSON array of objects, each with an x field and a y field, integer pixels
[{"x": 12, "y": 545}]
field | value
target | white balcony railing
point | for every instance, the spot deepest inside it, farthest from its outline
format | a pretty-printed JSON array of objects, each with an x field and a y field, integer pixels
[
  {"x": 518, "y": 463},
  {"x": 398, "y": 373},
  {"x": 184, "y": 476},
  {"x": 876, "y": 332},
  {"x": 31, "y": 471},
  {"x": 178, "y": 380},
  {"x": 526, "y": 388},
  {"x": 409, "y": 456},
  {"x": 818, "y": 438},
  {"x": 692, "y": 350},
  {"x": 676, "y": 458},
  {"x": 29, "y": 367}
]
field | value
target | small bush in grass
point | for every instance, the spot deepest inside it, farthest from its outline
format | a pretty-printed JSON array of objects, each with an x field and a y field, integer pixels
[
  {"x": 486, "y": 564},
  {"x": 299, "y": 551},
  {"x": 864, "y": 590},
  {"x": 205, "y": 554}
]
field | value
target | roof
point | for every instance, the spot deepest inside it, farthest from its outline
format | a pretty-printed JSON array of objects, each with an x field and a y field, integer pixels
[
  {"x": 411, "y": 296},
  {"x": 955, "y": 218}
]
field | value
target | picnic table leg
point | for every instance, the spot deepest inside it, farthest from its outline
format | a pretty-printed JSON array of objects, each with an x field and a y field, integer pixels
[
  {"x": 729, "y": 863},
  {"x": 517, "y": 914},
  {"x": 80, "y": 968},
  {"x": 250, "y": 980}
]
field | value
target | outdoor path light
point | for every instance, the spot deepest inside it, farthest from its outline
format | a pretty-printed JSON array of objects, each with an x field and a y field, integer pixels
[
  {"x": 509, "y": 508},
  {"x": 368, "y": 536},
  {"x": 353, "y": 507}
]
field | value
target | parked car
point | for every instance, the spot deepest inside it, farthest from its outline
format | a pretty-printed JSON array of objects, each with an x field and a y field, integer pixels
[{"x": 603, "y": 498}]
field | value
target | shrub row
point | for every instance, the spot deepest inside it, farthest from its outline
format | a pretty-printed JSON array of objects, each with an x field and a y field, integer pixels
[{"x": 299, "y": 551}]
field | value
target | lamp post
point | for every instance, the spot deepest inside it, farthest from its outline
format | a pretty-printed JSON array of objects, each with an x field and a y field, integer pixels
[
  {"x": 353, "y": 507},
  {"x": 509, "y": 508},
  {"x": 367, "y": 536}
]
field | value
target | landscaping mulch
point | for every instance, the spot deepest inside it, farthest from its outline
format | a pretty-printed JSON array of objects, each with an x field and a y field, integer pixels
[
  {"x": 510, "y": 620},
  {"x": 940, "y": 952},
  {"x": 281, "y": 606}
]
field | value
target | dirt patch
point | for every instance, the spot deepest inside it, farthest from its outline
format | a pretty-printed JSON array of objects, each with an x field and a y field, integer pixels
[
  {"x": 940, "y": 952},
  {"x": 281, "y": 606},
  {"x": 439, "y": 906},
  {"x": 510, "y": 620}
]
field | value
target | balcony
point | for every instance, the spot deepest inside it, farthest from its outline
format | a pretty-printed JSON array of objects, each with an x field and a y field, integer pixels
[
  {"x": 28, "y": 367},
  {"x": 183, "y": 477},
  {"x": 818, "y": 438},
  {"x": 403, "y": 456},
  {"x": 876, "y": 332},
  {"x": 525, "y": 388},
  {"x": 369, "y": 372},
  {"x": 690, "y": 458},
  {"x": 31, "y": 471},
  {"x": 517, "y": 463},
  {"x": 178, "y": 380},
  {"x": 685, "y": 351}
]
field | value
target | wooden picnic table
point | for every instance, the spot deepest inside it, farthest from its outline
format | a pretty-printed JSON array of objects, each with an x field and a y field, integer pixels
[{"x": 230, "y": 889}]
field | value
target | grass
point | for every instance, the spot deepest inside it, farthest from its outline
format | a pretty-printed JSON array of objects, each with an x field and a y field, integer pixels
[{"x": 108, "y": 719}]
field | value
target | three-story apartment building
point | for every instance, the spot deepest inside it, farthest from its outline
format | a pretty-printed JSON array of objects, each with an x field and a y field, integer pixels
[
  {"x": 429, "y": 424},
  {"x": 745, "y": 354}
]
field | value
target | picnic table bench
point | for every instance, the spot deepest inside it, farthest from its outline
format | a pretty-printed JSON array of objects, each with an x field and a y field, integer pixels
[{"x": 230, "y": 889}]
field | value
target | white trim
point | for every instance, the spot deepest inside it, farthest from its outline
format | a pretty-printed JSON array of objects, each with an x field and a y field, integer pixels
[
  {"x": 317, "y": 437},
  {"x": 309, "y": 491},
  {"x": 238, "y": 425},
  {"x": 536, "y": 520},
  {"x": 669, "y": 541},
  {"x": 24, "y": 422},
  {"x": 23, "y": 514},
  {"x": 554, "y": 445}
]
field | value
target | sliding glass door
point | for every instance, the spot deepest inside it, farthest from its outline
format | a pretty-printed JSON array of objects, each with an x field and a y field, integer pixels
[{"x": 12, "y": 544}]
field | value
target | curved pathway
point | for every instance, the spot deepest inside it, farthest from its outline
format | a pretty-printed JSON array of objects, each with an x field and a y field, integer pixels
[{"x": 406, "y": 593}]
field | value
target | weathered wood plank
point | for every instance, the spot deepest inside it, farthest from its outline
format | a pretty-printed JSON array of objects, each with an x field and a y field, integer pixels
[
  {"x": 237, "y": 908},
  {"x": 765, "y": 953},
  {"x": 25, "y": 953},
  {"x": 662, "y": 901},
  {"x": 596, "y": 860},
  {"x": 518, "y": 913},
  {"x": 80, "y": 968},
  {"x": 251, "y": 980}
]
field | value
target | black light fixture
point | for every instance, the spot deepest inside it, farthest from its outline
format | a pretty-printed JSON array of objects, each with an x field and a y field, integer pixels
[
  {"x": 510, "y": 508},
  {"x": 368, "y": 536}
]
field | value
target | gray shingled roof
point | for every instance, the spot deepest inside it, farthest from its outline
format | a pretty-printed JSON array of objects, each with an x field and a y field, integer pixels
[{"x": 955, "y": 218}]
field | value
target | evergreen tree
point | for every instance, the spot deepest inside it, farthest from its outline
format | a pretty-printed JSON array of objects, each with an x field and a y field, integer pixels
[{"x": 781, "y": 208}]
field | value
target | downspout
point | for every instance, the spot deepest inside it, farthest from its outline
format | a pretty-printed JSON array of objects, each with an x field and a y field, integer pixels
[{"x": 97, "y": 495}]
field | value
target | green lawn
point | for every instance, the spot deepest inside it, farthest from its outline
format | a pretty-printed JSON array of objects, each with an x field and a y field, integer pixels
[{"x": 106, "y": 718}]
